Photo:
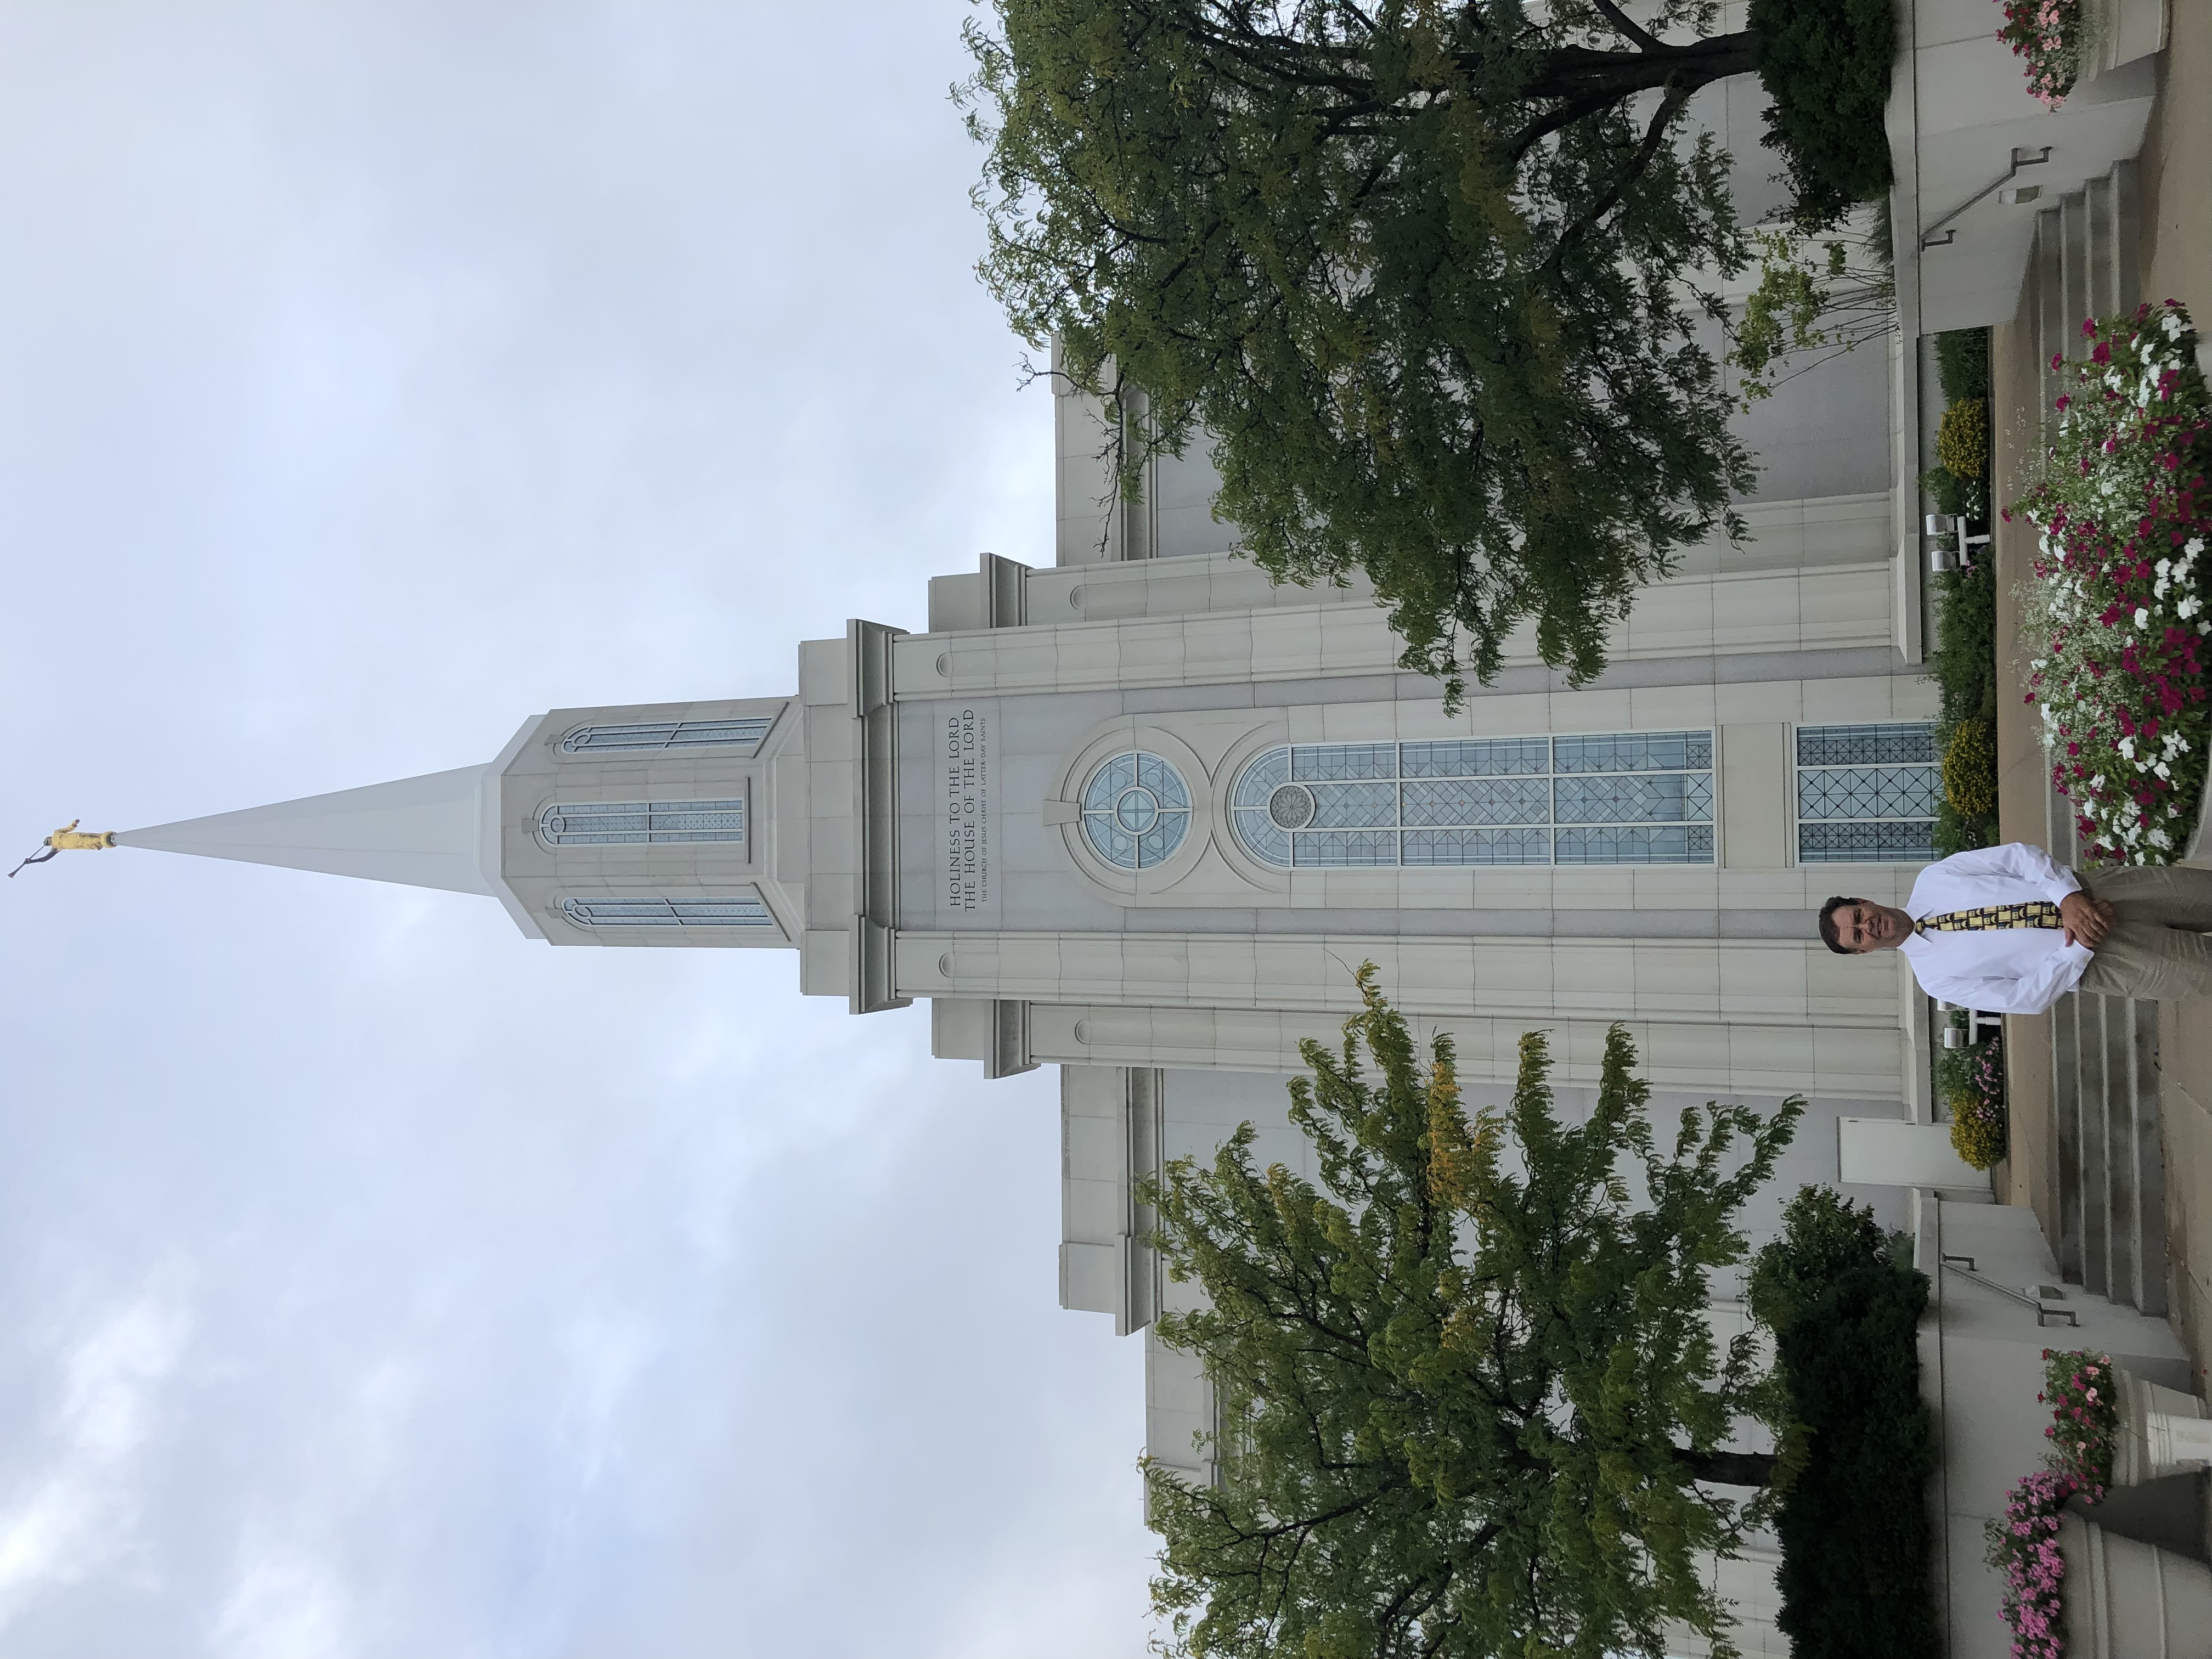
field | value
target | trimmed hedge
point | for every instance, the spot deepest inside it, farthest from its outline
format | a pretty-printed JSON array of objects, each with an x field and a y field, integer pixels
[
  {"x": 1825, "y": 63},
  {"x": 1853, "y": 1521},
  {"x": 1854, "y": 1529}
]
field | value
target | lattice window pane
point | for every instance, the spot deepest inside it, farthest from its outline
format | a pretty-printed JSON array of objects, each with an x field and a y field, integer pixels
[
  {"x": 1896, "y": 743},
  {"x": 1477, "y": 758},
  {"x": 1667, "y": 797},
  {"x": 1354, "y": 805},
  {"x": 613, "y": 823},
  {"x": 1345, "y": 760},
  {"x": 1505, "y": 800},
  {"x": 735, "y": 911},
  {"x": 1640, "y": 751},
  {"x": 1339, "y": 848},
  {"x": 1263, "y": 838},
  {"x": 668, "y": 734},
  {"x": 1477, "y": 847},
  {"x": 1262, "y": 778},
  {"x": 1868, "y": 792},
  {"x": 1865, "y": 843}
]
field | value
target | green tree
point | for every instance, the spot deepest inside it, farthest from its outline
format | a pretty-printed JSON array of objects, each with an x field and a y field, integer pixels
[
  {"x": 1416, "y": 270},
  {"x": 1463, "y": 1409}
]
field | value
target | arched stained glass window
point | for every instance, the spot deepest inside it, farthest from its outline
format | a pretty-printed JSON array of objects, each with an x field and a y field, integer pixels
[
  {"x": 741, "y": 910},
  {"x": 648, "y": 735},
  {"x": 1630, "y": 798},
  {"x": 1136, "y": 810},
  {"x": 641, "y": 822}
]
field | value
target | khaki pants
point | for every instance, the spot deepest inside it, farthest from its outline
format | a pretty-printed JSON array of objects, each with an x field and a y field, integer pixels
[{"x": 2157, "y": 950}]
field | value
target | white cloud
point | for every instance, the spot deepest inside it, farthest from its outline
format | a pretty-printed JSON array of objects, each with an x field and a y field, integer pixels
[{"x": 73, "y": 1509}]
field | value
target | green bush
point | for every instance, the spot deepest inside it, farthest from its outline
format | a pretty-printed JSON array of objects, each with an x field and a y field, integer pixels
[
  {"x": 1970, "y": 769},
  {"x": 1823, "y": 1237},
  {"x": 1962, "y": 363},
  {"x": 1963, "y": 663},
  {"x": 1825, "y": 63},
  {"x": 1978, "y": 1133},
  {"x": 1962, "y": 439},
  {"x": 1854, "y": 1526}
]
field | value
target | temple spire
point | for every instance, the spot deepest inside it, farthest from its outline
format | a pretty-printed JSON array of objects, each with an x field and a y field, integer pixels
[{"x": 437, "y": 830}]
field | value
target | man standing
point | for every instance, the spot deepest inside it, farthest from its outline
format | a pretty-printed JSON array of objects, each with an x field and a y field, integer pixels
[{"x": 2005, "y": 930}]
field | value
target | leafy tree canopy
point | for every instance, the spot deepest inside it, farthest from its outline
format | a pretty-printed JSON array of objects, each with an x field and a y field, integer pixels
[
  {"x": 1416, "y": 268},
  {"x": 1464, "y": 1409}
]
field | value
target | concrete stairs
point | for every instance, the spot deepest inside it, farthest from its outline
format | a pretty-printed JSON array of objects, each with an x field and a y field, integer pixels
[{"x": 2105, "y": 1059}]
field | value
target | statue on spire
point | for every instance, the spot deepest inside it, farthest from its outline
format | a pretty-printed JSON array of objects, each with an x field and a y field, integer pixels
[{"x": 67, "y": 839}]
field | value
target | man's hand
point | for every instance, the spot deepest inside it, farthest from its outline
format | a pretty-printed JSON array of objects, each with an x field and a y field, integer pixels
[{"x": 2085, "y": 920}]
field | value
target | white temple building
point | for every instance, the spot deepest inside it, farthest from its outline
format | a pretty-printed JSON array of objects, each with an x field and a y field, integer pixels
[{"x": 1128, "y": 808}]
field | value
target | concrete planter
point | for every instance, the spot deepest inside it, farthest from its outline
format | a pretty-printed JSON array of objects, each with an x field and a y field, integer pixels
[
  {"x": 2127, "y": 1600},
  {"x": 2120, "y": 32}
]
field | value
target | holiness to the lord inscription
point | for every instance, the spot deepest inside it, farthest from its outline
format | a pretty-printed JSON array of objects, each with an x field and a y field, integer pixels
[{"x": 967, "y": 757}]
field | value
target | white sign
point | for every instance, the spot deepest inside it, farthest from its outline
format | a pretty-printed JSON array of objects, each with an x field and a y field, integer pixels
[{"x": 965, "y": 808}]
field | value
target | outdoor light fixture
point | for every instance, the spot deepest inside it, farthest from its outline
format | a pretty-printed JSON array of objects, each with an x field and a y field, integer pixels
[{"x": 1937, "y": 526}]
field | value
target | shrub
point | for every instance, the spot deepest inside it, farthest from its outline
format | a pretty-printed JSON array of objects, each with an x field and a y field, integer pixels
[
  {"x": 1825, "y": 63},
  {"x": 1823, "y": 1237},
  {"x": 1970, "y": 768},
  {"x": 1854, "y": 1526},
  {"x": 1962, "y": 440},
  {"x": 1964, "y": 665},
  {"x": 1962, "y": 363},
  {"x": 2115, "y": 615},
  {"x": 1977, "y": 1130}
]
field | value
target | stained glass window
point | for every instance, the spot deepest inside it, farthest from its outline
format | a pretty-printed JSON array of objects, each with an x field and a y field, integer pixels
[
  {"x": 1866, "y": 794},
  {"x": 641, "y": 822},
  {"x": 744, "y": 910},
  {"x": 1635, "y": 797},
  {"x": 1136, "y": 810},
  {"x": 648, "y": 735}
]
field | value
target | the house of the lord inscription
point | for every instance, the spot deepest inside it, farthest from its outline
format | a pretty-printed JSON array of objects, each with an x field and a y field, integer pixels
[{"x": 964, "y": 756}]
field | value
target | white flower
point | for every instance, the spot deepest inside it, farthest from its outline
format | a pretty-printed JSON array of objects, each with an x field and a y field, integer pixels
[
  {"x": 2160, "y": 768},
  {"x": 2127, "y": 746},
  {"x": 2188, "y": 607},
  {"x": 2159, "y": 838},
  {"x": 2142, "y": 616}
]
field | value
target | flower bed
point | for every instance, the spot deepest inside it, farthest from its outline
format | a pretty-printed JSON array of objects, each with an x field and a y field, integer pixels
[
  {"x": 2116, "y": 612},
  {"x": 2024, "y": 1546},
  {"x": 1973, "y": 1089}
]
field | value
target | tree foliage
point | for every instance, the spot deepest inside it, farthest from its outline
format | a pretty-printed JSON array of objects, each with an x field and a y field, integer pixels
[
  {"x": 1826, "y": 64},
  {"x": 1415, "y": 269},
  {"x": 1466, "y": 1382},
  {"x": 1853, "y": 1523}
]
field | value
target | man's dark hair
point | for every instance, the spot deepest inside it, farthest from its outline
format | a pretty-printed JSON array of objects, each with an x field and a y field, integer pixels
[{"x": 1829, "y": 936}]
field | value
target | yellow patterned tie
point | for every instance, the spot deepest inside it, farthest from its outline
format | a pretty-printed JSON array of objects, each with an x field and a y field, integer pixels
[{"x": 2038, "y": 913}]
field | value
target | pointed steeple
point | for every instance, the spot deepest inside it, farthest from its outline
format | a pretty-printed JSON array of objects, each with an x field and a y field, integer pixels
[{"x": 437, "y": 830}]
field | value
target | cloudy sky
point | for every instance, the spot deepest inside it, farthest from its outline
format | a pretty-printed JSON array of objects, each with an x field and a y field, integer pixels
[{"x": 375, "y": 373}]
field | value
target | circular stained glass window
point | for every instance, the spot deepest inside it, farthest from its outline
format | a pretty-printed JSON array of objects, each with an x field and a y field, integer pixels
[{"x": 1136, "y": 810}]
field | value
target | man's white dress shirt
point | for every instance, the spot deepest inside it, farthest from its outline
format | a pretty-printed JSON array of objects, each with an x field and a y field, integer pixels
[{"x": 2004, "y": 970}]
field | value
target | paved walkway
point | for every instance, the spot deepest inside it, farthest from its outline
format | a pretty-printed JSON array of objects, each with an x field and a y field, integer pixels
[{"x": 2176, "y": 209}]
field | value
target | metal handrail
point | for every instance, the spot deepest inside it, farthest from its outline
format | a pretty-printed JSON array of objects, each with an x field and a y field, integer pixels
[
  {"x": 1964, "y": 1265},
  {"x": 1927, "y": 237}
]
